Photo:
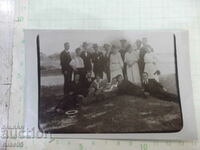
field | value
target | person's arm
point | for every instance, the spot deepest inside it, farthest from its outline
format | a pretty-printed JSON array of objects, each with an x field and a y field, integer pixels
[
  {"x": 72, "y": 64},
  {"x": 120, "y": 60}
]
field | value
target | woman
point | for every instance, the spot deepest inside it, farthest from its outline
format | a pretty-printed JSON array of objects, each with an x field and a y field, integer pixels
[
  {"x": 116, "y": 63},
  {"x": 150, "y": 65},
  {"x": 131, "y": 59},
  {"x": 77, "y": 64}
]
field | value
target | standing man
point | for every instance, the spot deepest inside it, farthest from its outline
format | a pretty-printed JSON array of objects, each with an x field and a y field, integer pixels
[
  {"x": 122, "y": 51},
  {"x": 106, "y": 61},
  {"x": 87, "y": 58},
  {"x": 98, "y": 59},
  {"x": 65, "y": 59}
]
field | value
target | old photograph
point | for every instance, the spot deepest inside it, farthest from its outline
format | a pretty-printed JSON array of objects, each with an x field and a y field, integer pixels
[{"x": 108, "y": 82}]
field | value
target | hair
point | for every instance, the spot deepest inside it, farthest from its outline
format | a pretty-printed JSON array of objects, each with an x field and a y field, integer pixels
[
  {"x": 77, "y": 50},
  {"x": 119, "y": 75}
]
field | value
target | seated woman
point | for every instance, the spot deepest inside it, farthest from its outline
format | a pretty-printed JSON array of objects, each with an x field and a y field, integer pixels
[
  {"x": 110, "y": 87},
  {"x": 156, "y": 89}
]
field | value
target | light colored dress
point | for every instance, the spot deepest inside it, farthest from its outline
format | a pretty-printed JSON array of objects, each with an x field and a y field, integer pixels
[
  {"x": 150, "y": 61},
  {"x": 116, "y": 65},
  {"x": 133, "y": 73}
]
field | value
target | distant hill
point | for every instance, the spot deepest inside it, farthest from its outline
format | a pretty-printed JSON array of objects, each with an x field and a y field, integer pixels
[
  {"x": 169, "y": 82},
  {"x": 49, "y": 62},
  {"x": 55, "y": 56}
]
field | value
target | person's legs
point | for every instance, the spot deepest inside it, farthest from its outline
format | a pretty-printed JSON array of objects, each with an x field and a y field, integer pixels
[
  {"x": 65, "y": 89},
  {"x": 135, "y": 91},
  {"x": 166, "y": 96}
]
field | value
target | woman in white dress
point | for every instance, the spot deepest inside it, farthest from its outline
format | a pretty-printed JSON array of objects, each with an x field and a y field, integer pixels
[
  {"x": 150, "y": 61},
  {"x": 131, "y": 59},
  {"x": 116, "y": 63}
]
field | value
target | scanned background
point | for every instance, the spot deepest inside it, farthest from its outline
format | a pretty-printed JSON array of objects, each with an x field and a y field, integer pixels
[{"x": 87, "y": 14}]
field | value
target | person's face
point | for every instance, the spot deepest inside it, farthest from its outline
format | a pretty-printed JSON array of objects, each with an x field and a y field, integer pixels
[
  {"x": 89, "y": 75},
  {"x": 144, "y": 41},
  {"x": 120, "y": 79},
  {"x": 85, "y": 46},
  {"x": 123, "y": 43},
  {"x": 66, "y": 45},
  {"x": 95, "y": 47},
  {"x": 130, "y": 49},
  {"x": 76, "y": 78},
  {"x": 107, "y": 47},
  {"x": 98, "y": 78},
  {"x": 145, "y": 76},
  {"x": 138, "y": 44},
  {"x": 78, "y": 53},
  {"x": 114, "y": 81}
]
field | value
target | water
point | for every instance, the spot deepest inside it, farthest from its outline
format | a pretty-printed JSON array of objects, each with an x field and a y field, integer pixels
[{"x": 52, "y": 80}]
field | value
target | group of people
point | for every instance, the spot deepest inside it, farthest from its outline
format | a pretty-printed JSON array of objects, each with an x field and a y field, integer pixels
[{"x": 129, "y": 69}]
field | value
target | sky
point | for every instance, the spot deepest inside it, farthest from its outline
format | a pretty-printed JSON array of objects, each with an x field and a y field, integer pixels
[
  {"x": 162, "y": 42},
  {"x": 53, "y": 41}
]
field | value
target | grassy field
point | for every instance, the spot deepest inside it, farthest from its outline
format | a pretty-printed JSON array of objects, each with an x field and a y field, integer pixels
[{"x": 119, "y": 114}]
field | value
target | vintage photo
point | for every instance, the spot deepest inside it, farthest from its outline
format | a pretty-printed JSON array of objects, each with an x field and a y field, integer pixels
[{"x": 108, "y": 82}]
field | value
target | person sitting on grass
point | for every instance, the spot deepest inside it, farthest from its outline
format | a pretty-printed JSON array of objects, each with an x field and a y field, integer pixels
[
  {"x": 74, "y": 96},
  {"x": 157, "y": 90},
  {"x": 95, "y": 90},
  {"x": 97, "y": 86},
  {"x": 110, "y": 87},
  {"x": 125, "y": 87}
]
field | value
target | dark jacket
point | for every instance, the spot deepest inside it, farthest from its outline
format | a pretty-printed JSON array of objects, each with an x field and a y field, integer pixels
[
  {"x": 98, "y": 60},
  {"x": 76, "y": 88},
  {"x": 65, "y": 59},
  {"x": 152, "y": 86},
  {"x": 87, "y": 60},
  {"x": 126, "y": 87}
]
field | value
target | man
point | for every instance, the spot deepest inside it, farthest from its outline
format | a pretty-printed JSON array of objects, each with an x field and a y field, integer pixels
[
  {"x": 73, "y": 97},
  {"x": 126, "y": 87},
  {"x": 98, "y": 60},
  {"x": 87, "y": 57},
  {"x": 157, "y": 90},
  {"x": 123, "y": 52},
  {"x": 65, "y": 59},
  {"x": 106, "y": 61}
]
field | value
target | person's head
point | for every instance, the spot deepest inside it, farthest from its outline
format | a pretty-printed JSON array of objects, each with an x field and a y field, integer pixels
[
  {"x": 95, "y": 47},
  {"x": 66, "y": 46},
  {"x": 78, "y": 52},
  {"x": 144, "y": 41},
  {"x": 119, "y": 78},
  {"x": 106, "y": 47},
  {"x": 138, "y": 43},
  {"x": 98, "y": 78},
  {"x": 85, "y": 46},
  {"x": 76, "y": 77},
  {"x": 114, "y": 49},
  {"x": 89, "y": 75},
  {"x": 114, "y": 80},
  {"x": 129, "y": 48},
  {"x": 145, "y": 75},
  {"x": 123, "y": 43}
]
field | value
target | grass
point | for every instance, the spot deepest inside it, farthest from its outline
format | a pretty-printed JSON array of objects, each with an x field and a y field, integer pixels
[{"x": 120, "y": 114}]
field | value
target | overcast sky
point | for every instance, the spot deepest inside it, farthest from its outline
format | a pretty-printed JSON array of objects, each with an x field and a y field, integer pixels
[{"x": 53, "y": 41}]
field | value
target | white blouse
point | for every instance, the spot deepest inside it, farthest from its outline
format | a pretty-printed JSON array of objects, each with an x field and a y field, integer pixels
[{"x": 77, "y": 62}]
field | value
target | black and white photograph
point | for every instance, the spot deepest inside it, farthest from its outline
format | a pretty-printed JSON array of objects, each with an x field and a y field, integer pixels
[{"x": 109, "y": 81}]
